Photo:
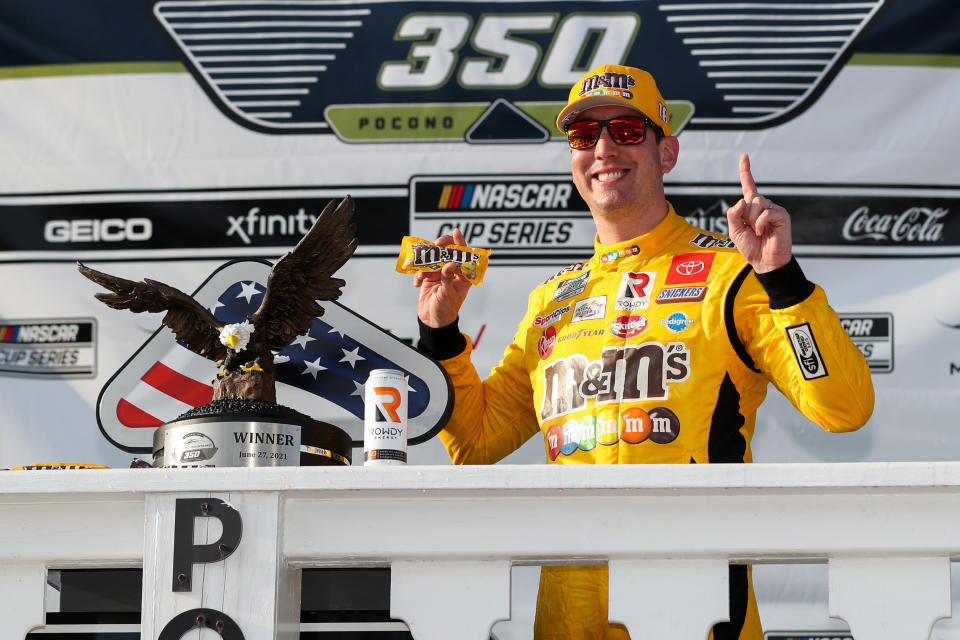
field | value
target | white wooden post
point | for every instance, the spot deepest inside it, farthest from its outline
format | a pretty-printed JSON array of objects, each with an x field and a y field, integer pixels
[
  {"x": 252, "y": 586},
  {"x": 442, "y": 599},
  {"x": 669, "y": 598},
  {"x": 22, "y": 591},
  {"x": 890, "y": 598}
]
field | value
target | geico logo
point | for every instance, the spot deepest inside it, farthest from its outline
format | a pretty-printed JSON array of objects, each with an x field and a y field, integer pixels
[{"x": 105, "y": 230}]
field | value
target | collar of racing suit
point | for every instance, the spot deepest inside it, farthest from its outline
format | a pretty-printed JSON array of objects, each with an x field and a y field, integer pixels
[{"x": 608, "y": 255}]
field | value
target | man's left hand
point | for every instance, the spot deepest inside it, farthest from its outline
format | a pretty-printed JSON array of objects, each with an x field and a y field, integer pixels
[{"x": 758, "y": 227}]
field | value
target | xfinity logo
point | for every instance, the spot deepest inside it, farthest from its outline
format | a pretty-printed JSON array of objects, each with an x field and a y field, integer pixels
[
  {"x": 256, "y": 223},
  {"x": 102, "y": 230}
]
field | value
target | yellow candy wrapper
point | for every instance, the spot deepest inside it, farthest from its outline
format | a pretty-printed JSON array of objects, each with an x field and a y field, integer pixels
[{"x": 417, "y": 254}]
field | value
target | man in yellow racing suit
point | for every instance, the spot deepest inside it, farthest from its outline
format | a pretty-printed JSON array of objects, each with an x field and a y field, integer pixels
[{"x": 658, "y": 349}]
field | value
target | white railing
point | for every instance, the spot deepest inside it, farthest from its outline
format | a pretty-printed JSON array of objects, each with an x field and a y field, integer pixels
[{"x": 452, "y": 534}]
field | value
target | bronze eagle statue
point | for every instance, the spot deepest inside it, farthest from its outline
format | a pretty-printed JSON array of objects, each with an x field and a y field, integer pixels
[{"x": 244, "y": 350}]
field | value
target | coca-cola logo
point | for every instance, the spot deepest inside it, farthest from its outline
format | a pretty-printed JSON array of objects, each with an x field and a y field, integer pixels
[
  {"x": 545, "y": 345},
  {"x": 916, "y": 224}
]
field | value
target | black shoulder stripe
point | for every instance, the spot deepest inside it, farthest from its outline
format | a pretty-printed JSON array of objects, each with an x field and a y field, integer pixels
[{"x": 730, "y": 322}]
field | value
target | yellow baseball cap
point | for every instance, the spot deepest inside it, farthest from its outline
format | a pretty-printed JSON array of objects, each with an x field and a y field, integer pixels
[{"x": 614, "y": 84}]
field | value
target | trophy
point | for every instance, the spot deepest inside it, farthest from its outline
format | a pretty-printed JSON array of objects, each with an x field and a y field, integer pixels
[{"x": 243, "y": 425}]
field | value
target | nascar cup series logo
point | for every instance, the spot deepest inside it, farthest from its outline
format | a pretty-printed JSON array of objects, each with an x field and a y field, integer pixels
[
  {"x": 571, "y": 287},
  {"x": 49, "y": 347}
]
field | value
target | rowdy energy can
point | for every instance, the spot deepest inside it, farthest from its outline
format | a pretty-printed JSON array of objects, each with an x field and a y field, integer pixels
[{"x": 385, "y": 418}]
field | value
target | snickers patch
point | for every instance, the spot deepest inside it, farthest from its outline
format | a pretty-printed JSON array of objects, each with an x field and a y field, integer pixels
[{"x": 681, "y": 294}]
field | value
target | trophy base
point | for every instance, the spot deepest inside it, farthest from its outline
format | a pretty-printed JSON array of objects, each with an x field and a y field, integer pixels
[{"x": 249, "y": 433}]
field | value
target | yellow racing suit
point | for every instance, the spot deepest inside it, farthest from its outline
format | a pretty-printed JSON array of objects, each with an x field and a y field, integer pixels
[{"x": 655, "y": 350}]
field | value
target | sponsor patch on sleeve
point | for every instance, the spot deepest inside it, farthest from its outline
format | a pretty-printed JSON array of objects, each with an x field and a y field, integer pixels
[
  {"x": 805, "y": 349},
  {"x": 571, "y": 287}
]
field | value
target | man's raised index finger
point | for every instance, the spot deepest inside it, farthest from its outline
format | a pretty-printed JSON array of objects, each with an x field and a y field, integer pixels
[{"x": 746, "y": 178}]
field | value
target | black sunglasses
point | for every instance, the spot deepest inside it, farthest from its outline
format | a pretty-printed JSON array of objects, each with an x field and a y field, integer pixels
[{"x": 584, "y": 134}]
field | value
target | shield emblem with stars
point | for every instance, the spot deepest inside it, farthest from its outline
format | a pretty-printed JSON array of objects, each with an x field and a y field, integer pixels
[{"x": 320, "y": 373}]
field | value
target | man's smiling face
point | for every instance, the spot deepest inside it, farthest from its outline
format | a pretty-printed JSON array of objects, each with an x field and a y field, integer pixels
[{"x": 614, "y": 179}]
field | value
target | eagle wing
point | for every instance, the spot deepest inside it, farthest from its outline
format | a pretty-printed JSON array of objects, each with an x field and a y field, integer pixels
[
  {"x": 305, "y": 275},
  {"x": 190, "y": 322}
]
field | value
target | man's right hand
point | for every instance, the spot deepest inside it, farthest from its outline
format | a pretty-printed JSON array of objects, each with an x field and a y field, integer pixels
[{"x": 442, "y": 292}]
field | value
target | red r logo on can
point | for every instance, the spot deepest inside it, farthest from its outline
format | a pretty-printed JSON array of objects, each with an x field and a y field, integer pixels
[{"x": 389, "y": 407}]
